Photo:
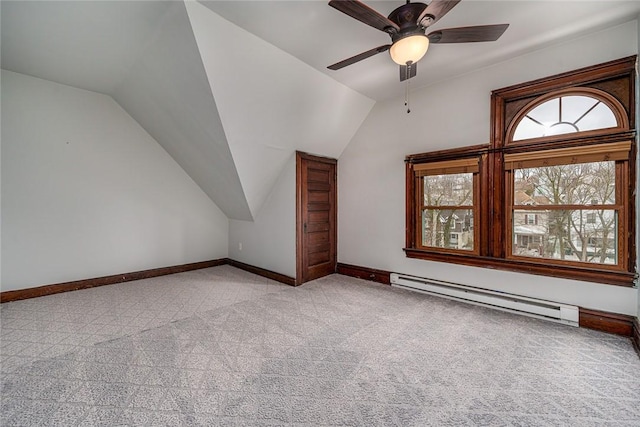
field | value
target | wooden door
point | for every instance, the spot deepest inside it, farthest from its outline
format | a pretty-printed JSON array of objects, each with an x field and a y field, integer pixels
[{"x": 316, "y": 216}]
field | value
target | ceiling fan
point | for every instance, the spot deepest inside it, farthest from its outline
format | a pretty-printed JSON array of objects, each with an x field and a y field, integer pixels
[{"x": 407, "y": 26}]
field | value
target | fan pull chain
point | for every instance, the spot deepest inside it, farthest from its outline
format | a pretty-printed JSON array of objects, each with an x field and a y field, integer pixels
[{"x": 406, "y": 90}]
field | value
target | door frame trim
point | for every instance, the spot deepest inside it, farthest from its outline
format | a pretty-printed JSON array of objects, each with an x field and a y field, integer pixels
[{"x": 299, "y": 216}]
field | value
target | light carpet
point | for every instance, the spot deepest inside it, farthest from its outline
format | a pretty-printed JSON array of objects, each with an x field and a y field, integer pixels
[{"x": 221, "y": 347}]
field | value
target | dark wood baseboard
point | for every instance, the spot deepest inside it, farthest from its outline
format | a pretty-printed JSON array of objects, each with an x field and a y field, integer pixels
[
  {"x": 263, "y": 272},
  {"x": 365, "y": 273},
  {"x": 635, "y": 337},
  {"x": 619, "y": 324},
  {"x": 57, "y": 288},
  {"x": 613, "y": 323},
  {"x": 102, "y": 281}
]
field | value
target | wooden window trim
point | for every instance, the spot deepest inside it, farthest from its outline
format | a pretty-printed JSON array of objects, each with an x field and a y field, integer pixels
[
  {"x": 619, "y": 208},
  {"x": 494, "y": 205},
  {"x": 616, "y": 278},
  {"x": 447, "y": 167},
  {"x": 453, "y": 168},
  {"x": 462, "y": 160},
  {"x": 614, "y": 105},
  {"x": 563, "y": 156}
]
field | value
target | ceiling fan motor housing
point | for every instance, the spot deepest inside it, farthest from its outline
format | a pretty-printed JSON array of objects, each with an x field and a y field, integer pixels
[{"x": 406, "y": 16}]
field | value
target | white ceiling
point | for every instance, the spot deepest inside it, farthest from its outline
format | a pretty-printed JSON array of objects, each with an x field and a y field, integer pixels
[
  {"x": 232, "y": 89},
  {"x": 230, "y": 119},
  {"x": 144, "y": 55},
  {"x": 270, "y": 103},
  {"x": 90, "y": 45},
  {"x": 320, "y": 35}
]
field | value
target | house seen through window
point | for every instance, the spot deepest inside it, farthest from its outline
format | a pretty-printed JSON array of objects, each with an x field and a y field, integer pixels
[
  {"x": 565, "y": 224},
  {"x": 553, "y": 193}
]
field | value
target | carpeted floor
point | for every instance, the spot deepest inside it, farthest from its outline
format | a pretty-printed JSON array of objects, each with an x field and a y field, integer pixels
[{"x": 223, "y": 347}]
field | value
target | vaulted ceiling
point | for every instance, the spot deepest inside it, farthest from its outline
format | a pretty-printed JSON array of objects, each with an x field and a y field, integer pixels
[
  {"x": 231, "y": 89},
  {"x": 229, "y": 107},
  {"x": 320, "y": 35}
]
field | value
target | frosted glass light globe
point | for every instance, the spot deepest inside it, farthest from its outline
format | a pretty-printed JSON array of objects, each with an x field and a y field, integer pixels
[{"x": 409, "y": 49}]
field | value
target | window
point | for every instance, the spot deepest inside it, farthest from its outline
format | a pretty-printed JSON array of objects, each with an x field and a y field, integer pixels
[
  {"x": 447, "y": 210},
  {"x": 563, "y": 197},
  {"x": 531, "y": 219},
  {"x": 565, "y": 114},
  {"x": 551, "y": 194}
]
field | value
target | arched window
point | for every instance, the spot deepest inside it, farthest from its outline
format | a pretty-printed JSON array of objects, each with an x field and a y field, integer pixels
[
  {"x": 553, "y": 193},
  {"x": 568, "y": 163},
  {"x": 567, "y": 112}
]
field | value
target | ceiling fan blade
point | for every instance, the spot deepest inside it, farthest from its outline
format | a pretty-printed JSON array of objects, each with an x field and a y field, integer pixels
[
  {"x": 364, "y": 13},
  {"x": 437, "y": 9},
  {"x": 359, "y": 57},
  {"x": 408, "y": 71},
  {"x": 480, "y": 33}
]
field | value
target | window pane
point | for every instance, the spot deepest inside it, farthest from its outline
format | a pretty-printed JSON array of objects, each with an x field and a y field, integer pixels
[
  {"x": 600, "y": 117},
  {"x": 527, "y": 128},
  {"x": 574, "y": 107},
  {"x": 562, "y": 115},
  {"x": 447, "y": 228},
  {"x": 547, "y": 112},
  {"x": 448, "y": 190},
  {"x": 576, "y": 184},
  {"x": 572, "y": 235}
]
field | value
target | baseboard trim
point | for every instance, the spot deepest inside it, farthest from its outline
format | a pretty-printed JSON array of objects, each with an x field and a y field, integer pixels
[
  {"x": 57, "y": 288},
  {"x": 619, "y": 324},
  {"x": 40, "y": 291},
  {"x": 613, "y": 323},
  {"x": 635, "y": 338},
  {"x": 365, "y": 273},
  {"x": 263, "y": 272}
]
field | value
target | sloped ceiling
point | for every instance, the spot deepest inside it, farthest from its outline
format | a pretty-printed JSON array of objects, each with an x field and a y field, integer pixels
[
  {"x": 231, "y": 88},
  {"x": 168, "y": 93},
  {"x": 319, "y": 35},
  {"x": 271, "y": 103},
  {"x": 89, "y": 45},
  {"x": 145, "y": 55}
]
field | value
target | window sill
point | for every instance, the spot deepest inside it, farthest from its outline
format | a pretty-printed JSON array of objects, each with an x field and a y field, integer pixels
[{"x": 617, "y": 278}]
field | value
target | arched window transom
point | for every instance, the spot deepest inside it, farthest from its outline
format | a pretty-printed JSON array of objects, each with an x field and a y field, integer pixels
[{"x": 565, "y": 114}]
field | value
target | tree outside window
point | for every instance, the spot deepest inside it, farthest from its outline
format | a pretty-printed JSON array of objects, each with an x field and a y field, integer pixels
[
  {"x": 563, "y": 231},
  {"x": 552, "y": 193}
]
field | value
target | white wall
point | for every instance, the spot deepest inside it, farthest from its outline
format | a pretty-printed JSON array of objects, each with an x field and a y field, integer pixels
[
  {"x": 272, "y": 105},
  {"x": 86, "y": 192},
  {"x": 270, "y": 240},
  {"x": 167, "y": 92},
  {"x": 451, "y": 114}
]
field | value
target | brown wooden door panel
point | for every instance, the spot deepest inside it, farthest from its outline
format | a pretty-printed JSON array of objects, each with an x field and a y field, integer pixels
[
  {"x": 317, "y": 237},
  {"x": 317, "y": 175},
  {"x": 316, "y": 200},
  {"x": 318, "y": 186},
  {"x": 318, "y": 259},
  {"x": 319, "y": 247},
  {"x": 314, "y": 206},
  {"x": 319, "y": 197},
  {"x": 321, "y": 217},
  {"x": 315, "y": 227}
]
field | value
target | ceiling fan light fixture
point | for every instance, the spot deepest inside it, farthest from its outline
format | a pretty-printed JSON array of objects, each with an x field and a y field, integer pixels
[{"x": 409, "y": 49}]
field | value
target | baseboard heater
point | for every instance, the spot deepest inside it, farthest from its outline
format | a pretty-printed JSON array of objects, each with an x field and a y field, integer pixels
[{"x": 562, "y": 313}]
